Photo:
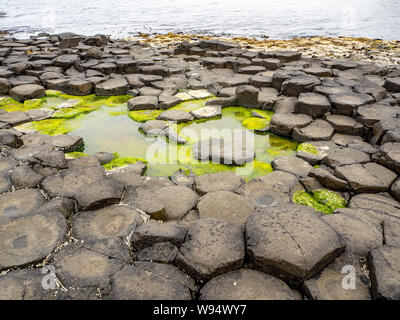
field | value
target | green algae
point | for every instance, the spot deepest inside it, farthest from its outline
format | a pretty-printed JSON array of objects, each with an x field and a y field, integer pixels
[
  {"x": 76, "y": 154},
  {"x": 280, "y": 146},
  {"x": 144, "y": 115},
  {"x": 239, "y": 113},
  {"x": 106, "y": 125},
  {"x": 190, "y": 105},
  {"x": 307, "y": 147},
  {"x": 118, "y": 162},
  {"x": 322, "y": 200},
  {"x": 69, "y": 113},
  {"x": 332, "y": 199},
  {"x": 254, "y": 123},
  {"x": 51, "y": 126},
  {"x": 53, "y": 93},
  {"x": 258, "y": 169},
  {"x": 34, "y": 103},
  {"x": 116, "y": 101}
]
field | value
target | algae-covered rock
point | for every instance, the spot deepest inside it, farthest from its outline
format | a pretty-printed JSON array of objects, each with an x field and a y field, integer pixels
[
  {"x": 118, "y": 162},
  {"x": 144, "y": 115},
  {"x": 322, "y": 200}
]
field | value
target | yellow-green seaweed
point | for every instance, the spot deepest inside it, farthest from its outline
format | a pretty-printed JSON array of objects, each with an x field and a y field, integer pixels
[
  {"x": 69, "y": 113},
  {"x": 330, "y": 198},
  {"x": 51, "y": 126},
  {"x": 76, "y": 154},
  {"x": 53, "y": 93},
  {"x": 255, "y": 123},
  {"x": 240, "y": 113},
  {"x": 322, "y": 200},
  {"x": 144, "y": 115},
  {"x": 118, "y": 162},
  {"x": 307, "y": 147},
  {"x": 115, "y": 101}
]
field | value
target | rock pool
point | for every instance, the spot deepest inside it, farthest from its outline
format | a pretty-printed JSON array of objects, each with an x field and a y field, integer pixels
[{"x": 107, "y": 125}]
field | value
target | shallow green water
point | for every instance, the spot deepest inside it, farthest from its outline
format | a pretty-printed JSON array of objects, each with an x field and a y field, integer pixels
[{"x": 110, "y": 129}]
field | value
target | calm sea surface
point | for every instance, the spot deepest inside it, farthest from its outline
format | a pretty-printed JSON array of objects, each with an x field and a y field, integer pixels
[{"x": 274, "y": 18}]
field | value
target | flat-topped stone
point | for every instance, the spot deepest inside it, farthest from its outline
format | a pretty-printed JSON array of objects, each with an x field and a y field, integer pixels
[
  {"x": 246, "y": 284},
  {"x": 315, "y": 105},
  {"x": 369, "y": 177},
  {"x": 299, "y": 245},
  {"x": 31, "y": 238},
  {"x": 212, "y": 247},
  {"x": 225, "y": 205}
]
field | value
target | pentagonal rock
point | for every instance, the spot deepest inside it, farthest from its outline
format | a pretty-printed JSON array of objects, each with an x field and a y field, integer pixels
[
  {"x": 384, "y": 270},
  {"x": 27, "y": 91},
  {"x": 315, "y": 105},
  {"x": 20, "y": 203},
  {"x": 317, "y": 130},
  {"x": 261, "y": 195},
  {"x": 212, "y": 247},
  {"x": 369, "y": 177},
  {"x": 284, "y": 123},
  {"x": 346, "y": 103},
  {"x": 246, "y": 284},
  {"x": 225, "y": 180},
  {"x": 29, "y": 239},
  {"x": 79, "y": 267},
  {"x": 345, "y": 156},
  {"x": 360, "y": 235},
  {"x": 292, "y": 165},
  {"x": 299, "y": 245},
  {"x": 153, "y": 232},
  {"x": 225, "y": 205},
  {"x": 136, "y": 283},
  {"x": 105, "y": 230}
]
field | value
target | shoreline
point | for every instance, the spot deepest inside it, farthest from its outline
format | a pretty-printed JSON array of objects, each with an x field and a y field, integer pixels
[
  {"x": 382, "y": 52},
  {"x": 357, "y": 49}
]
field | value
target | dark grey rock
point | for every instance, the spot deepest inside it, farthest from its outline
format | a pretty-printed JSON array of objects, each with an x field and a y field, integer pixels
[
  {"x": 369, "y": 177},
  {"x": 284, "y": 123},
  {"x": 153, "y": 232},
  {"x": 226, "y": 180},
  {"x": 383, "y": 265},
  {"x": 292, "y": 165},
  {"x": 30, "y": 238},
  {"x": 20, "y": 203},
  {"x": 225, "y": 205},
  {"x": 313, "y": 104},
  {"x": 300, "y": 243},
  {"x": 316, "y": 131},
  {"x": 106, "y": 230},
  {"x": 212, "y": 247},
  {"x": 246, "y": 284}
]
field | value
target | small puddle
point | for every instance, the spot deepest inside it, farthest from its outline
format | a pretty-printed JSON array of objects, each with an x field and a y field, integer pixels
[{"x": 107, "y": 125}]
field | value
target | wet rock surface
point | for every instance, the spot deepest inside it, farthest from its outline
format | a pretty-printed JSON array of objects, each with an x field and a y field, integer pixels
[{"x": 232, "y": 238}]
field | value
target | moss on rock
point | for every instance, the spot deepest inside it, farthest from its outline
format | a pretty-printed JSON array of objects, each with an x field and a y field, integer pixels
[
  {"x": 240, "y": 113},
  {"x": 144, "y": 115},
  {"x": 53, "y": 93},
  {"x": 254, "y": 123},
  {"x": 76, "y": 154},
  {"x": 51, "y": 126},
  {"x": 307, "y": 147},
  {"x": 322, "y": 200},
  {"x": 118, "y": 162},
  {"x": 330, "y": 198},
  {"x": 115, "y": 101}
]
